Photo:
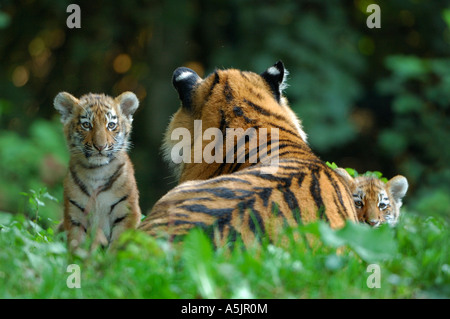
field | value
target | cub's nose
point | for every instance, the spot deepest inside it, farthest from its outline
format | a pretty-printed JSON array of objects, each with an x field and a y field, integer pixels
[
  {"x": 373, "y": 222},
  {"x": 100, "y": 148}
]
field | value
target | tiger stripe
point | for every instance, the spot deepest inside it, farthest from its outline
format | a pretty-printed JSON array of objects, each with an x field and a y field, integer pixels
[
  {"x": 78, "y": 182},
  {"x": 376, "y": 202},
  {"x": 286, "y": 186},
  {"x": 100, "y": 189}
]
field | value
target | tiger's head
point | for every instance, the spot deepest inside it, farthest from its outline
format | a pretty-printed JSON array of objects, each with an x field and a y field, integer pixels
[
  {"x": 376, "y": 202},
  {"x": 227, "y": 99},
  {"x": 96, "y": 126}
]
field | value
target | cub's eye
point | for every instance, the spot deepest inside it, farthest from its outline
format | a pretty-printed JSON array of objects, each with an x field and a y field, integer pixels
[
  {"x": 111, "y": 125},
  {"x": 86, "y": 125},
  {"x": 382, "y": 206},
  {"x": 359, "y": 203}
]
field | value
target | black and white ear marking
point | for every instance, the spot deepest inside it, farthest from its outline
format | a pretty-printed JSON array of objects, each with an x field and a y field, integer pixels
[
  {"x": 65, "y": 102},
  {"x": 184, "y": 80},
  {"x": 275, "y": 76},
  {"x": 398, "y": 187},
  {"x": 128, "y": 103}
]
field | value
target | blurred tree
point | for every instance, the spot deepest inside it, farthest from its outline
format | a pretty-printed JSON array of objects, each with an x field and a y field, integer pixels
[
  {"x": 314, "y": 39},
  {"x": 121, "y": 47},
  {"x": 406, "y": 60},
  {"x": 419, "y": 136}
]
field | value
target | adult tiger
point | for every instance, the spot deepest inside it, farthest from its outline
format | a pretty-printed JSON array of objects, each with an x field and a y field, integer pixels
[{"x": 289, "y": 186}]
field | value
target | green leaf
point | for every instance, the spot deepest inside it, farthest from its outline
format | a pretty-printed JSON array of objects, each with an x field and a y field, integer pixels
[
  {"x": 408, "y": 103},
  {"x": 376, "y": 174},
  {"x": 198, "y": 257},
  {"x": 5, "y": 219},
  {"x": 39, "y": 202},
  {"x": 332, "y": 165},
  {"x": 371, "y": 244},
  {"x": 373, "y": 174},
  {"x": 334, "y": 262},
  {"x": 330, "y": 237},
  {"x": 48, "y": 196},
  {"x": 5, "y": 20},
  {"x": 407, "y": 66},
  {"x": 311, "y": 228},
  {"x": 446, "y": 17},
  {"x": 56, "y": 248},
  {"x": 353, "y": 173}
]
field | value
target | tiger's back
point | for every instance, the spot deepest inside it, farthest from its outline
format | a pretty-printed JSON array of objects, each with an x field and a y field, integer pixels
[
  {"x": 252, "y": 201},
  {"x": 286, "y": 185}
]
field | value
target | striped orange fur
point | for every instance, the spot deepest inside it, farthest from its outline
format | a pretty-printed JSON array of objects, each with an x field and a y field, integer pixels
[
  {"x": 247, "y": 197},
  {"x": 100, "y": 192},
  {"x": 376, "y": 202}
]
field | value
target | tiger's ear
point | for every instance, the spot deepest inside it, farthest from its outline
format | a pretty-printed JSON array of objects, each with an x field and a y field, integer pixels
[
  {"x": 128, "y": 103},
  {"x": 346, "y": 176},
  {"x": 65, "y": 103},
  {"x": 398, "y": 186},
  {"x": 275, "y": 76},
  {"x": 184, "y": 80}
]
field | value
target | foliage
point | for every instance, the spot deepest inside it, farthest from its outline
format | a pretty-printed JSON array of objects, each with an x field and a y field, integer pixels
[
  {"x": 421, "y": 108},
  {"x": 353, "y": 173},
  {"x": 31, "y": 162},
  {"x": 413, "y": 259},
  {"x": 36, "y": 200},
  {"x": 354, "y": 88}
]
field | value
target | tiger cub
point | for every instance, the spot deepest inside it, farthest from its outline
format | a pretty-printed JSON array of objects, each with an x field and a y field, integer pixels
[
  {"x": 376, "y": 202},
  {"x": 100, "y": 192},
  {"x": 286, "y": 185}
]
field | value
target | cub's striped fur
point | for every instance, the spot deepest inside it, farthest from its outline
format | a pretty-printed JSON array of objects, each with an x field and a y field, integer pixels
[
  {"x": 100, "y": 192},
  {"x": 376, "y": 202},
  {"x": 244, "y": 197}
]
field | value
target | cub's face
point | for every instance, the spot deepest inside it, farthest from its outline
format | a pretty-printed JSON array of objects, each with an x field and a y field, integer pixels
[
  {"x": 96, "y": 126},
  {"x": 376, "y": 202}
]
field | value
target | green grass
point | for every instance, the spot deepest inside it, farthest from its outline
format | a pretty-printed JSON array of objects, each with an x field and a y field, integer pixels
[{"x": 413, "y": 260}]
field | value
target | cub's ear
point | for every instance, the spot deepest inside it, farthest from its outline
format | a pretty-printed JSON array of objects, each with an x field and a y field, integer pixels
[
  {"x": 398, "y": 186},
  {"x": 65, "y": 103},
  {"x": 275, "y": 76},
  {"x": 184, "y": 80},
  {"x": 128, "y": 103},
  {"x": 346, "y": 176}
]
